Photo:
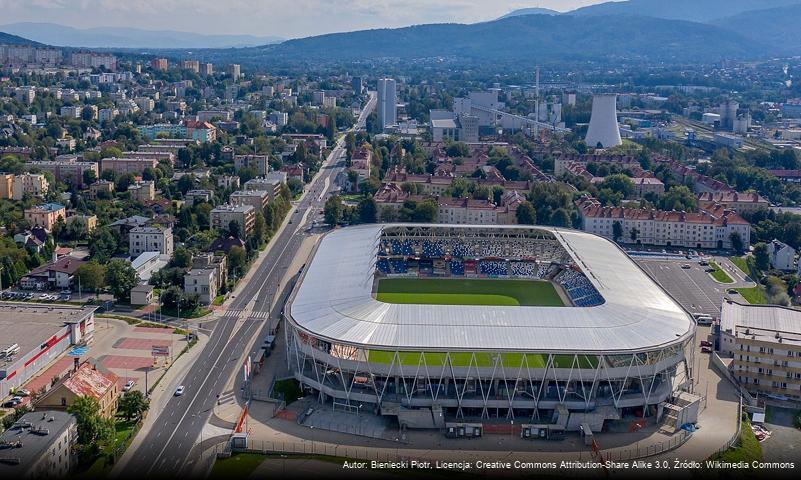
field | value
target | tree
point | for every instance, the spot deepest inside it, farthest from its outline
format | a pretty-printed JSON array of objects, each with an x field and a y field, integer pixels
[
  {"x": 679, "y": 198},
  {"x": 618, "y": 183},
  {"x": 133, "y": 404},
  {"x": 526, "y": 214},
  {"x": 91, "y": 276},
  {"x": 260, "y": 228},
  {"x": 121, "y": 278},
  {"x": 369, "y": 186},
  {"x": 236, "y": 258},
  {"x": 634, "y": 234},
  {"x": 388, "y": 214},
  {"x": 761, "y": 256},
  {"x": 103, "y": 244},
  {"x": 560, "y": 218},
  {"x": 182, "y": 258},
  {"x": 737, "y": 242},
  {"x": 426, "y": 211},
  {"x": 617, "y": 230},
  {"x": 368, "y": 210},
  {"x": 333, "y": 210},
  {"x": 89, "y": 177},
  {"x": 92, "y": 427},
  {"x": 171, "y": 297},
  {"x": 295, "y": 185},
  {"x": 234, "y": 229}
]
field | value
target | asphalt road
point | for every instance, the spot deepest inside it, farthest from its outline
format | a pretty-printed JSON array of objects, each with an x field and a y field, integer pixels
[{"x": 165, "y": 448}]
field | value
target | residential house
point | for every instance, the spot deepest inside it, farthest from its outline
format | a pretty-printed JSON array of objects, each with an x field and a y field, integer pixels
[{"x": 88, "y": 381}]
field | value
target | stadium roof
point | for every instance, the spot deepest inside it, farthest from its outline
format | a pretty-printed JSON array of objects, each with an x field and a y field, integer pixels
[{"x": 335, "y": 301}]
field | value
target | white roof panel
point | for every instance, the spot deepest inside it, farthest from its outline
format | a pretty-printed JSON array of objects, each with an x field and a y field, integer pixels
[{"x": 334, "y": 300}]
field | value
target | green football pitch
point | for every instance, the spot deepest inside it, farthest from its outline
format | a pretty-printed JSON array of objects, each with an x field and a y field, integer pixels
[{"x": 468, "y": 292}]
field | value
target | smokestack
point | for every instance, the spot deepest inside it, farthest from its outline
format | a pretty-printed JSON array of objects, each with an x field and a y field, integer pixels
[{"x": 603, "y": 128}]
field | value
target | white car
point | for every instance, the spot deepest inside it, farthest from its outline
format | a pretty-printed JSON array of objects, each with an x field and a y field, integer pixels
[
  {"x": 179, "y": 391},
  {"x": 128, "y": 385}
]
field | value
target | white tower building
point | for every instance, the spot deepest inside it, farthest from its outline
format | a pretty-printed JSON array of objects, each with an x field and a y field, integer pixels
[
  {"x": 387, "y": 102},
  {"x": 603, "y": 128}
]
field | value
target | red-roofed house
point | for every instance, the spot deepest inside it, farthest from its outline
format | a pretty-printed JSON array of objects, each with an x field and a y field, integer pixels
[
  {"x": 85, "y": 381},
  {"x": 711, "y": 228}
]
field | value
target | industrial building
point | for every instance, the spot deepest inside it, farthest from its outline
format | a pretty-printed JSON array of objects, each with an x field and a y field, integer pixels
[{"x": 41, "y": 333}]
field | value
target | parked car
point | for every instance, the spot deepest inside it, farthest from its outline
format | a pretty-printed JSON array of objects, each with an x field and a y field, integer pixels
[
  {"x": 706, "y": 350},
  {"x": 21, "y": 392},
  {"x": 128, "y": 385},
  {"x": 705, "y": 343},
  {"x": 686, "y": 266}
]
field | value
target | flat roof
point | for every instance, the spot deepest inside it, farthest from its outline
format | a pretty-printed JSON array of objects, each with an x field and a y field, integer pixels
[
  {"x": 762, "y": 322},
  {"x": 30, "y": 325},
  {"x": 36, "y": 431},
  {"x": 334, "y": 301}
]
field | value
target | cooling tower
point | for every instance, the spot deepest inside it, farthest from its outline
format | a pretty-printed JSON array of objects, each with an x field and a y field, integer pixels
[{"x": 603, "y": 124}]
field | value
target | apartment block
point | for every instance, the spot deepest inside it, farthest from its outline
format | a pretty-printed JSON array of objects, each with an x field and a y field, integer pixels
[
  {"x": 261, "y": 163},
  {"x": 258, "y": 199},
  {"x": 68, "y": 171},
  {"x": 710, "y": 228},
  {"x": 150, "y": 239},
  {"x": 764, "y": 345},
  {"x": 143, "y": 191},
  {"x": 245, "y": 215},
  {"x": 128, "y": 165}
]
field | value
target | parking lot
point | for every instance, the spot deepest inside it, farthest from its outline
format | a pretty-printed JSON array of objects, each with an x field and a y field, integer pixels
[{"x": 692, "y": 287}]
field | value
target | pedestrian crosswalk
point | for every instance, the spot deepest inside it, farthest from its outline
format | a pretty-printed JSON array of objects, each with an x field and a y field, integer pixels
[{"x": 251, "y": 314}]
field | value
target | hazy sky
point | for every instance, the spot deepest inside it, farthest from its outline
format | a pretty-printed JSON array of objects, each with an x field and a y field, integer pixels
[{"x": 284, "y": 18}]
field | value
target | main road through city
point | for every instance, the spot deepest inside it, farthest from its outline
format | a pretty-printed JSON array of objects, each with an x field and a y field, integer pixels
[{"x": 165, "y": 448}]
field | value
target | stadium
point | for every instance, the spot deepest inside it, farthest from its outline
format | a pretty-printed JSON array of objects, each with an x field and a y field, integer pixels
[{"x": 456, "y": 323}]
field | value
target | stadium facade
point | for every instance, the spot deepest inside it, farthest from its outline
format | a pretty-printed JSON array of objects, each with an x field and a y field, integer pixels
[{"x": 623, "y": 347}]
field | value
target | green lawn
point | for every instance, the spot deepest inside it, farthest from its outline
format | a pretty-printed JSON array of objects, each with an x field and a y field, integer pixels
[
  {"x": 741, "y": 263},
  {"x": 238, "y": 465},
  {"x": 468, "y": 292},
  {"x": 482, "y": 359},
  {"x": 719, "y": 275},
  {"x": 746, "y": 449},
  {"x": 753, "y": 295}
]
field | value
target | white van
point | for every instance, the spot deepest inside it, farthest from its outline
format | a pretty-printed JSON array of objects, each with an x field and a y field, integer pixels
[{"x": 702, "y": 318}]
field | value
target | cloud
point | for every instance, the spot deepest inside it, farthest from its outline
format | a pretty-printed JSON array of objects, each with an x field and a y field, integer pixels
[{"x": 288, "y": 18}]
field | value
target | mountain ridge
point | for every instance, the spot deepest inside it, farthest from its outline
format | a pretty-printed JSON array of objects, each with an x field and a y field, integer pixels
[
  {"x": 526, "y": 37},
  {"x": 112, "y": 37}
]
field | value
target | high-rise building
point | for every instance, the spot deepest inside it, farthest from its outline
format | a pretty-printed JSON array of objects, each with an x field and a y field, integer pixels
[
  {"x": 206, "y": 69},
  {"x": 159, "y": 64},
  {"x": 603, "y": 129},
  {"x": 728, "y": 114},
  {"x": 234, "y": 70},
  {"x": 192, "y": 65},
  {"x": 358, "y": 85},
  {"x": 387, "y": 102}
]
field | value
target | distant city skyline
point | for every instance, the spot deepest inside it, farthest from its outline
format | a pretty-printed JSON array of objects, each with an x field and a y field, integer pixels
[{"x": 283, "y": 18}]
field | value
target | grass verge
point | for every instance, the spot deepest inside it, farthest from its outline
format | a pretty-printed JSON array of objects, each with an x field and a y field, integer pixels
[
  {"x": 719, "y": 275},
  {"x": 746, "y": 449},
  {"x": 753, "y": 295}
]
